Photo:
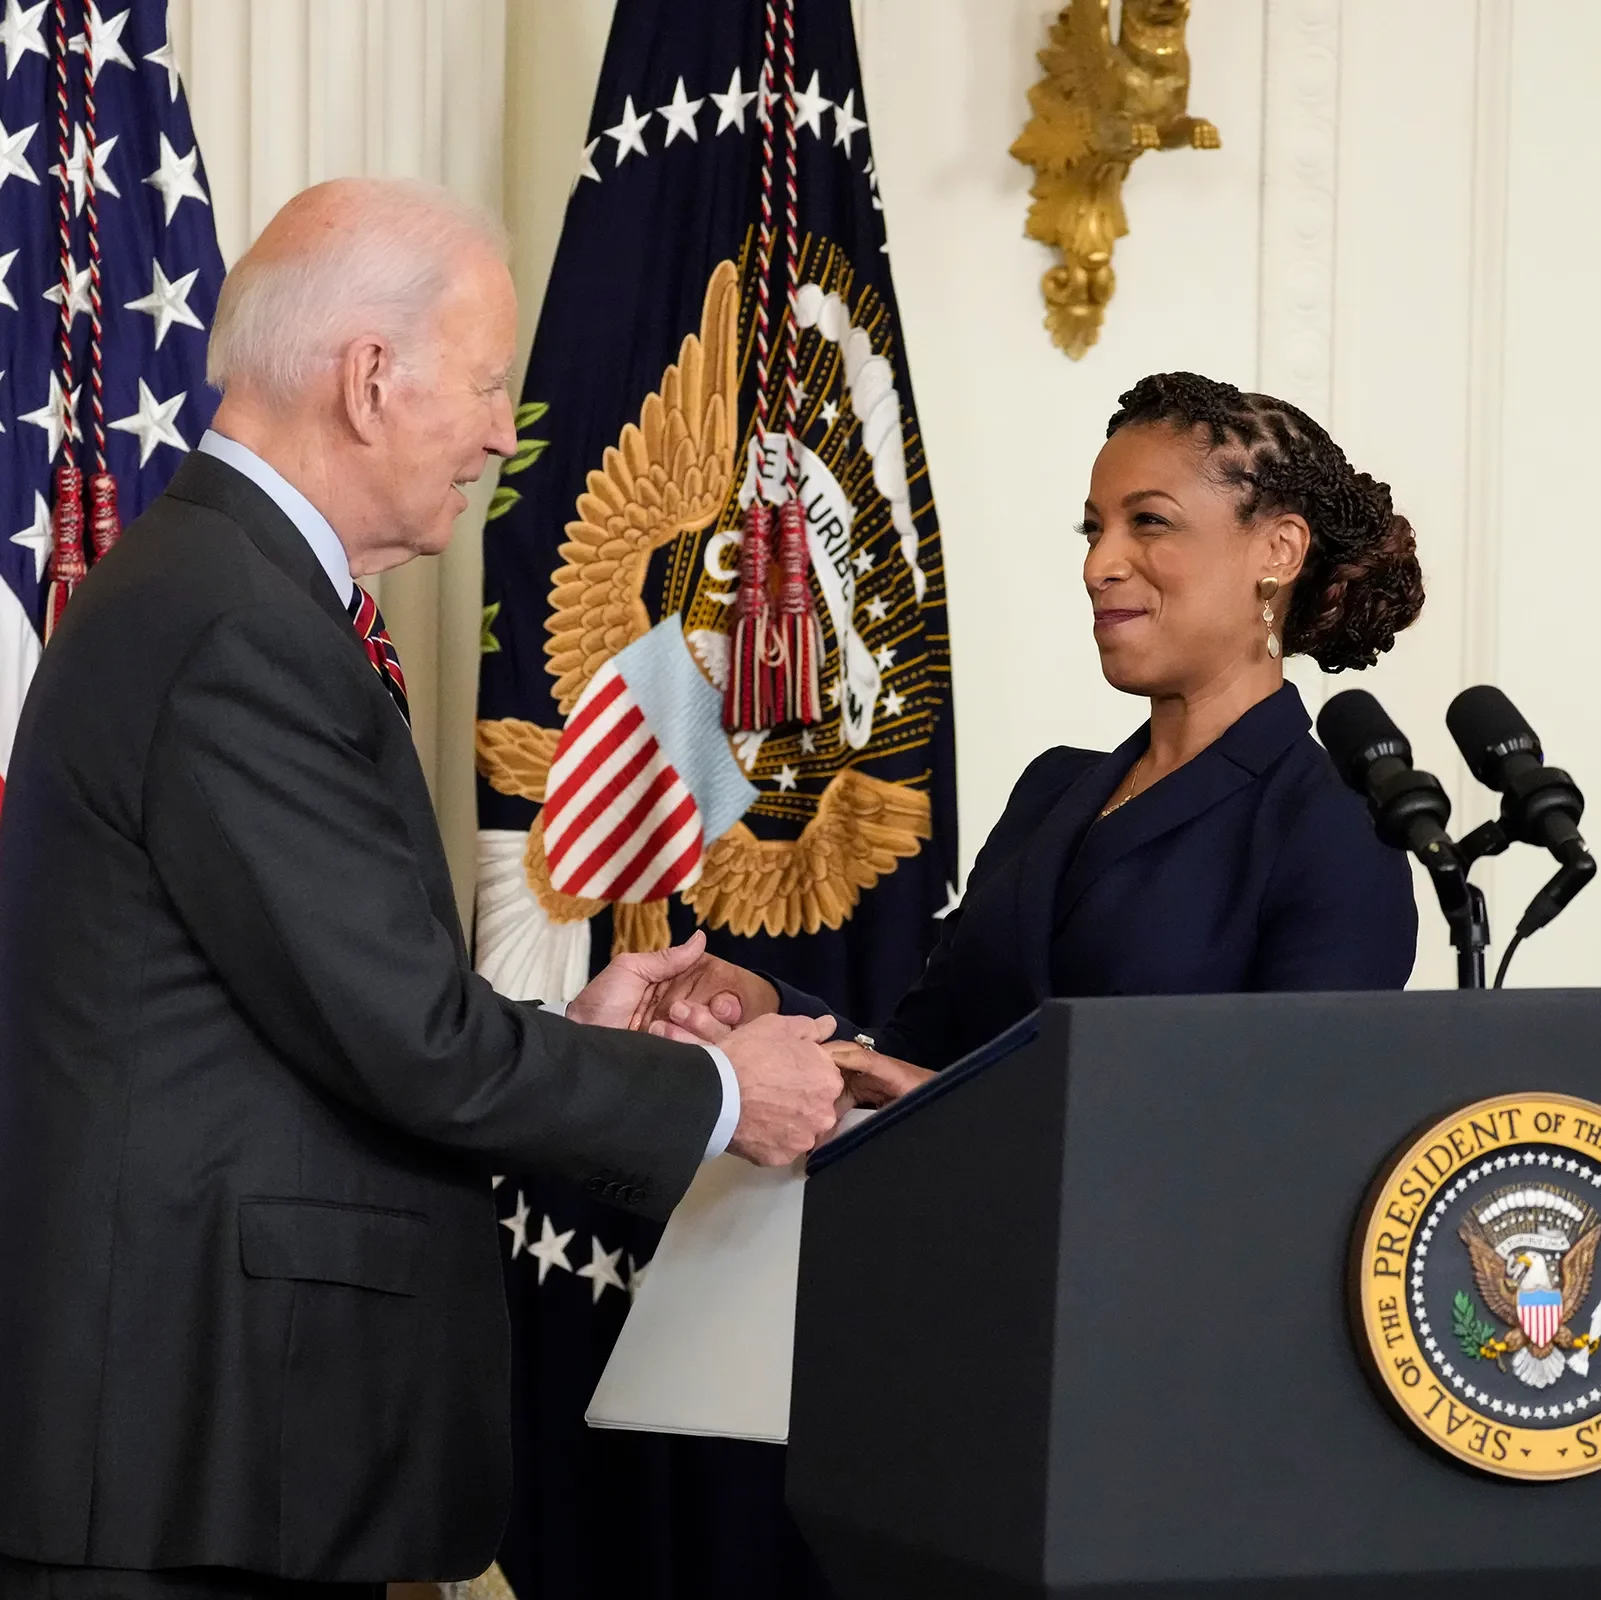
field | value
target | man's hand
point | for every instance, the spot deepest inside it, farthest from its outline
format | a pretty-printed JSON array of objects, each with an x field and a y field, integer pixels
[
  {"x": 617, "y": 997},
  {"x": 717, "y": 994},
  {"x": 787, "y": 1087},
  {"x": 872, "y": 1079}
]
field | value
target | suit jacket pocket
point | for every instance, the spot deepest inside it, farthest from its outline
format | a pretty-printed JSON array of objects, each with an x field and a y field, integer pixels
[{"x": 322, "y": 1241}]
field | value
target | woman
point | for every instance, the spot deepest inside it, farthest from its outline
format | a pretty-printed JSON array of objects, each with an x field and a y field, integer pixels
[{"x": 1216, "y": 850}]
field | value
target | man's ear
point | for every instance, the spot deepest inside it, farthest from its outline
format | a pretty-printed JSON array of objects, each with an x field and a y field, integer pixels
[
  {"x": 1288, "y": 541},
  {"x": 366, "y": 383}
]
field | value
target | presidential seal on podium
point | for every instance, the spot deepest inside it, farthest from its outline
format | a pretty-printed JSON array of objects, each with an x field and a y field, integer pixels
[{"x": 1473, "y": 1274}]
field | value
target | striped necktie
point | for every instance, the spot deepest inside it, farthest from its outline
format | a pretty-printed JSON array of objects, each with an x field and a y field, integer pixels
[{"x": 370, "y": 629}]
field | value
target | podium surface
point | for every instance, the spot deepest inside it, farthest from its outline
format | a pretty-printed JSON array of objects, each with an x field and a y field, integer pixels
[{"x": 1078, "y": 1321}]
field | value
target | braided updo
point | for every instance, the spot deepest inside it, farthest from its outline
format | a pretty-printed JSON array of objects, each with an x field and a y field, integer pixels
[{"x": 1361, "y": 584}]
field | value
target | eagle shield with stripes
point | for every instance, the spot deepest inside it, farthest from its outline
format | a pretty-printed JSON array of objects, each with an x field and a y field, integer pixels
[{"x": 641, "y": 778}]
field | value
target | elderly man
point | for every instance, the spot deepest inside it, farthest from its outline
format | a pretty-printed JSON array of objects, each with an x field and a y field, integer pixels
[{"x": 251, "y": 1092}]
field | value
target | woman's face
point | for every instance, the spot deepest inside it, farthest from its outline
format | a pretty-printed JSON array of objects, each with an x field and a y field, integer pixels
[{"x": 1170, "y": 570}]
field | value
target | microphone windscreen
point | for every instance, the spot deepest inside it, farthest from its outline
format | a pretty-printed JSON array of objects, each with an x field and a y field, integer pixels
[
  {"x": 1356, "y": 730},
  {"x": 1487, "y": 728}
]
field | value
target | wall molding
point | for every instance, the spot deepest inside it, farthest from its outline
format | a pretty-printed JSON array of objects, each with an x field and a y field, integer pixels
[
  {"x": 1300, "y": 171},
  {"x": 1487, "y": 340}
]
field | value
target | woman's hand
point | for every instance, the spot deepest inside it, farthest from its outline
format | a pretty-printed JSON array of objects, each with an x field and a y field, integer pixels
[
  {"x": 703, "y": 1002},
  {"x": 872, "y": 1079}
]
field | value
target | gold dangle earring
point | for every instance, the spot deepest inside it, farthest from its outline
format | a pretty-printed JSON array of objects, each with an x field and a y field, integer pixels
[{"x": 1266, "y": 588}]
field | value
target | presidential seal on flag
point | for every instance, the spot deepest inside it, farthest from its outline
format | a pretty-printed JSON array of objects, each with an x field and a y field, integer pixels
[{"x": 762, "y": 501}]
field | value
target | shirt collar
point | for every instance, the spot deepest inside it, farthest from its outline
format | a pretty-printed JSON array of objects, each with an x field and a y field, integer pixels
[{"x": 314, "y": 527}]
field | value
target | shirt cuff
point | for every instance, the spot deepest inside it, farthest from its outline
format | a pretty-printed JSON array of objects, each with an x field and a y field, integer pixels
[
  {"x": 729, "y": 1119},
  {"x": 557, "y": 1008}
]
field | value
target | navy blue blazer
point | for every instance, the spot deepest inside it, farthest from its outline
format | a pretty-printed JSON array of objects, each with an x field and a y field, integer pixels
[{"x": 1251, "y": 867}]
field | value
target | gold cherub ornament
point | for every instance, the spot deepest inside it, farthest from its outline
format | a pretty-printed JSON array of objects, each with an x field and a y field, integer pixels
[{"x": 1098, "y": 107}]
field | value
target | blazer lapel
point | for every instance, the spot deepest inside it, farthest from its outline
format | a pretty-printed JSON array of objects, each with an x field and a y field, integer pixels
[
  {"x": 1005, "y": 927},
  {"x": 1234, "y": 759}
]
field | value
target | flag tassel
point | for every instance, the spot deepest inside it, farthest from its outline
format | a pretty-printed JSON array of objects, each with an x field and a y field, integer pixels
[
  {"x": 747, "y": 702},
  {"x": 105, "y": 525},
  {"x": 67, "y": 566},
  {"x": 800, "y": 633}
]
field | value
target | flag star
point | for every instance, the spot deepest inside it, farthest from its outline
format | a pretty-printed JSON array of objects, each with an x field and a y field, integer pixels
[
  {"x": 36, "y": 537},
  {"x": 846, "y": 123},
  {"x": 76, "y": 294},
  {"x": 586, "y": 164},
  {"x": 153, "y": 422},
  {"x": 1544, "y": 1159},
  {"x": 175, "y": 178},
  {"x": 833, "y": 692},
  {"x": 731, "y": 106},
  {"x": 810, "y": 104},
  {"x": 13, "y": 162},
  {"x": 629, "y": 134},
  {"x": 76, "y": 173},
  {"x": 57, "y": 416},
  {"x": 636, "y": 1275},
  {"x": 863, "y": 562},
  {"x": 550, "y": 1250},
  {"x": 894, "y": 704},
  {"x": 168, "y": 302},
  {"x": 877, "y": 609},
  {"x": 786, "y": 777},
  {"x": 496, "y": 1180},
  {"x": 517, "y": 1226},
  {"x": 107, "y": 41},
  {"x": 829, "y": 412},
  {"x": 19, "y": 32},
  {"x": 798, "y": 391},
  {"x": 808, "y": 742},
  {"x": 953, "y": 902},
  {"x": 680, "y": 118},
  {"x": 602, "y": 1270},
  {"x": 5, "y": 267},
  {"x": 885, "y": 659},
  {"x": 168, "y": 62}
]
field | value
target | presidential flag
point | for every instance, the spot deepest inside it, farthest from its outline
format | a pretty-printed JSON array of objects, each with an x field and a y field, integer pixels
[
  {"x": 109, "y": 272},
  {"x": 715, "y": 680}
]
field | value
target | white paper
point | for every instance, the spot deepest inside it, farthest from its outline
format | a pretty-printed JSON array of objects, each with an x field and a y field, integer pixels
[{"x": 710, "y": 1338}]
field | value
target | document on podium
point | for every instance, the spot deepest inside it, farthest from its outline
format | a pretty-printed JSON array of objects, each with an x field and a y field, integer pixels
[{"x": 710, "y": 1338}]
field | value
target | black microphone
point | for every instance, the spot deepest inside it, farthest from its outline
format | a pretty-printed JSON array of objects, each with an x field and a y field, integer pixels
[
  {"x": 1410, "y": 808},
  {"x": 1540, "y": 805}
]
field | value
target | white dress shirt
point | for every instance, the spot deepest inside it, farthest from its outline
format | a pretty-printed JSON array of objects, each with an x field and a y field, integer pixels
[{"x": 315, "y": 529}]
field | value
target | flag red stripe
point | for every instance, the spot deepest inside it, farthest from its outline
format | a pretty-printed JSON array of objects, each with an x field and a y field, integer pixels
[
  {"x": 675, "y": 874},
  {"x": 595, "y": 807},
  {"x": 646, "y": 855},
  {"x": 608, "y": 847}
]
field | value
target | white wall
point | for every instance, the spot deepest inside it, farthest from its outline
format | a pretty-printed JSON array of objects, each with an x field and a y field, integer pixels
[{"x": 1399, "y": 234}]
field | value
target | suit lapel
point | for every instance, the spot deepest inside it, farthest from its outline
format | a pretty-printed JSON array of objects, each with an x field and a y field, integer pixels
[
  {"x": 203, "y": 480},
  {"x": 1234, "y": 759}
]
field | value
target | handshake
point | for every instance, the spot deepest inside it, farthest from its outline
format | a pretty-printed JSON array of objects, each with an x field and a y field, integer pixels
[{"x": 795, "y": 1080}]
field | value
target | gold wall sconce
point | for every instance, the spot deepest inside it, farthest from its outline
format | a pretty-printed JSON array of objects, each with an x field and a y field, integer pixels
[{"x": 1098, "y": 108}]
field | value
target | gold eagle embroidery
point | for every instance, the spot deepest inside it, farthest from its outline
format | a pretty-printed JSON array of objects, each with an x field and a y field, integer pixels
[{"x": 671, "y": 474}]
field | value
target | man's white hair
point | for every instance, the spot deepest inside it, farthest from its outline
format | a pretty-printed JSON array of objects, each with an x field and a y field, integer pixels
[{"x": 353, "y": 256}]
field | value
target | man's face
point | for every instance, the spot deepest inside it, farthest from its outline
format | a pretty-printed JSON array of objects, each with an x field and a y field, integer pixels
[{"x": 453, "y": 413}]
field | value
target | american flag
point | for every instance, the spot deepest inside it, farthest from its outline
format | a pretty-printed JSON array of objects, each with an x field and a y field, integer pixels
[{"x": 106, "y": 231}]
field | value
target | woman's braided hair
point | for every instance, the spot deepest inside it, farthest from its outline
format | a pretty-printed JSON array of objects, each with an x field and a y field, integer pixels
[{"x": 1361, "y": 584}]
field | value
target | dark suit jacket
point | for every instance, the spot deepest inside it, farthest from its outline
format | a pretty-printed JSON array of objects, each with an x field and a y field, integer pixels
[
  {"x": 1252, "y": 867},
  {"x": 251, "y": 1093}
]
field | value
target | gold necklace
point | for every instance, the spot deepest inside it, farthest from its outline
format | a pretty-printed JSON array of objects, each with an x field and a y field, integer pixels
[{"x": 1133, "y": 785}]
